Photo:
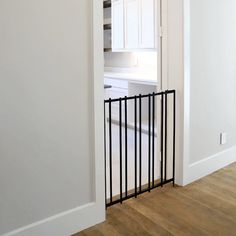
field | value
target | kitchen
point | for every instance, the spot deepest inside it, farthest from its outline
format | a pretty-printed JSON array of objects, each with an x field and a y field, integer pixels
[
  {"x": 131, "y": 68},
  {"x": 130, "y": 47}
]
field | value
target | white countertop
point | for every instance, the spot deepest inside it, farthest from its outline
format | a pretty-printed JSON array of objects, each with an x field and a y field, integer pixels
[{"x": 133, "y": 76}]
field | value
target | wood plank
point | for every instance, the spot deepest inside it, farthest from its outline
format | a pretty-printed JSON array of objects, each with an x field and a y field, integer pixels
[
  {"x": 206, "y": 207},
  {"x": 212, "y": 201}
]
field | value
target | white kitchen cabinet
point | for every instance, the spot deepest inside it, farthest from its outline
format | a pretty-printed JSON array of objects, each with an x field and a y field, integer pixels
[
  {"x": 119, "y": 89},
  {"x": 147, "y": 24},
  {"x": 125, "y": 87},
  {"x": 131, "y": 24},
  {"x": 118, "y": 32},
  {"x": 134, "y": 25}
]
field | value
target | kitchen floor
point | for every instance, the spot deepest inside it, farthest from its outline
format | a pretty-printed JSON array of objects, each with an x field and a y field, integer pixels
[{"x": 130, "y": 158}]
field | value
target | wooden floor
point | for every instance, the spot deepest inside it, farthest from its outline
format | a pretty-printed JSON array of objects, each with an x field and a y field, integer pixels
[{"x": 206, "y": 207}]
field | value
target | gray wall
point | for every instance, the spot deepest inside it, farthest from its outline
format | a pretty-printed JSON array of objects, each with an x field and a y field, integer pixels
[
  {"x": 45, "y": 109},
  {"x": 213, "y": 76}
]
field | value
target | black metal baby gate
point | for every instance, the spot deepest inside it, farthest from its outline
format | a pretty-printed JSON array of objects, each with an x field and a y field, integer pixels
[{"x": 139, "y": 144}]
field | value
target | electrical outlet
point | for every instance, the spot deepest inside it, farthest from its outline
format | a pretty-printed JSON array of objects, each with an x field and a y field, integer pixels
[{"x": 223, "y": 138}]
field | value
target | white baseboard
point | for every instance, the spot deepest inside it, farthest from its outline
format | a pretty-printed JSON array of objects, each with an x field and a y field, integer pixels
[
  {"x": 64, "y": 224},
  {"x": 211, "y": 164}
]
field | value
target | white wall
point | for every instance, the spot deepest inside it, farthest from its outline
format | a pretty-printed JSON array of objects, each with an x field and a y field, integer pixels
[
  {"x": 46, "y": 113},
  {"x": 131, "y": 60},
  {"x": 200, "y": 57},
  {"x": 120, "y": 59},
  {"x": 213, "y": 76},
  {"x": 210, "y": 41}
]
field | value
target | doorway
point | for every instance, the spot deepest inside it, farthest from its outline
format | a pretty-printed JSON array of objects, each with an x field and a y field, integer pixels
[{"x": 133, "y": 67}]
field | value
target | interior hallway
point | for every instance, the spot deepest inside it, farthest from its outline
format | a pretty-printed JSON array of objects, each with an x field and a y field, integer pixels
[{"x": 206, "y": 207}]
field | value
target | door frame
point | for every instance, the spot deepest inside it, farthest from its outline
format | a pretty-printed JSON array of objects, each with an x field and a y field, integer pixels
[{"x": 98, "y": 94}]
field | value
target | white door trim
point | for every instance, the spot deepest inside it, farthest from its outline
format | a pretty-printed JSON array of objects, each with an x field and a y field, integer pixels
[
  {"x": 98, "y": 101},
  {"x": 186, "y": 92}
]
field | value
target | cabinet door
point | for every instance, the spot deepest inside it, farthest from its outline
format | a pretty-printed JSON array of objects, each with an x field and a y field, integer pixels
[
  {"x": 147, "y": 24},
  {"x": 117, "y": 25},
  {"x": 131, "y": 24}
]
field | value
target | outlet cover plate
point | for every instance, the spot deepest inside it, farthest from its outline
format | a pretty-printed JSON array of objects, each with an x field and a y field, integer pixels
[{"x": 223, "y": 138}]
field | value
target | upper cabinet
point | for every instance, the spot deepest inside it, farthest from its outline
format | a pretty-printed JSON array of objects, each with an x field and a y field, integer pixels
[
  {"x": 117, "y": 13},
  {"x": 131, "y": 17},
  {"x": 147, "y": 23},
  {"x": 133, "y": 25}
]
